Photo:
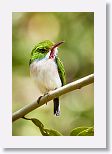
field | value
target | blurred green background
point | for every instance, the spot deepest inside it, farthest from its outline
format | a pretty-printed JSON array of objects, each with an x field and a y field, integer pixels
[{"x": 77, "y": 54}]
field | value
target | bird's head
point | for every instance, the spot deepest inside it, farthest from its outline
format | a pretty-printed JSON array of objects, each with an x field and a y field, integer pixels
[{"x": 45, "y": 48}]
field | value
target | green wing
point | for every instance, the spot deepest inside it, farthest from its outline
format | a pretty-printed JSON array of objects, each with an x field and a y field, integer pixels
[{"x": 61, "y": 71}]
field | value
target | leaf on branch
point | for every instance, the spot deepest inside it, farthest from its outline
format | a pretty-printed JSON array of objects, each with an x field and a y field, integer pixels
[
  {"x": 37, "y": 122},
  {"x": 82, "y": 131},
  {"x": 77, "y": 130},
  {"x": 45, "y": 132},
  {"x": 87, "y": 132},
  {"x": 52, "y": 132}
]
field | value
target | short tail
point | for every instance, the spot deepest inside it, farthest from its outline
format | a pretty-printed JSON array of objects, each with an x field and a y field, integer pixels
[{"x": 56, "y": 107}]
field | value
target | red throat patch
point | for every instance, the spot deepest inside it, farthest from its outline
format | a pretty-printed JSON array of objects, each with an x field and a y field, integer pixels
[{"x": 52, "y": 54}]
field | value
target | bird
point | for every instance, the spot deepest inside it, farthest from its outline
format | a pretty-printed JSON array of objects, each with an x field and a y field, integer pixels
[{"x": 47, "y": 69}]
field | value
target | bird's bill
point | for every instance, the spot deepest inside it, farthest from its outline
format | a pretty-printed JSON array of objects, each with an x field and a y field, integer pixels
[{"x": 57, "y": 45}]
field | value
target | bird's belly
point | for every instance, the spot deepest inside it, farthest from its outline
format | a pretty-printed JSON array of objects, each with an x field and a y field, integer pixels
[{"x": 45, "y": 74}]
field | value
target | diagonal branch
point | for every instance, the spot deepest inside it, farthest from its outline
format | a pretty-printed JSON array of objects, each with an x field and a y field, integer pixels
[{"x": 53, "y": 94}]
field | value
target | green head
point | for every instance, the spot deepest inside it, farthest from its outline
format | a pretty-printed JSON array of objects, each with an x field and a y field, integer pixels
[{"x": 42, "y": 48}]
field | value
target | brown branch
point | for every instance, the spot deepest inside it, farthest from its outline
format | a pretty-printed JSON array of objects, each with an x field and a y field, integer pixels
[{"x": 56, "y": 93}]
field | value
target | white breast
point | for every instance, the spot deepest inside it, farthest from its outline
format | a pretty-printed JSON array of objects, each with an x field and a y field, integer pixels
[{"x": 45, "y": 74}]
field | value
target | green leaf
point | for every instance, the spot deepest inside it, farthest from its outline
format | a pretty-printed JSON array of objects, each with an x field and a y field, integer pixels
[
  {"x": 87, "y": 132},
  {"x": 37, "y": 122},
  {"x": 44, "y": 132},
  {"x": 51, "y": 132},
  {"x": 77, "y": 130}
]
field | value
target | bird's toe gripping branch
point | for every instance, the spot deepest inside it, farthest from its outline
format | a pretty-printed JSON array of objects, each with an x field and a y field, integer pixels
[
  {"x": 38, "y": 100},
  {"x": 61, "y": 91}
]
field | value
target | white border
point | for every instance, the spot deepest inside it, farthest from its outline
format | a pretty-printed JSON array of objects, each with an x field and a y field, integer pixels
[{"x": 99, "y": 9}]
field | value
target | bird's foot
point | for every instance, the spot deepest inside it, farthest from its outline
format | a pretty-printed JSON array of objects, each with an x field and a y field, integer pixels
[
  {"x": 38, "y": 100},
  {"x": 46, "y": 94},
  {"x": 41, "y": 97}
]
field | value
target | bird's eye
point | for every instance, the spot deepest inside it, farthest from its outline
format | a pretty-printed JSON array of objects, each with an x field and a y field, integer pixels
[{"x": 42, "y": 50}]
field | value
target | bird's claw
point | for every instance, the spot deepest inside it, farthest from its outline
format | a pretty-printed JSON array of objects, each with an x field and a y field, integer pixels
[
  {"x": 38, "y": 100},
  {"x": 46, "y": 94}
]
